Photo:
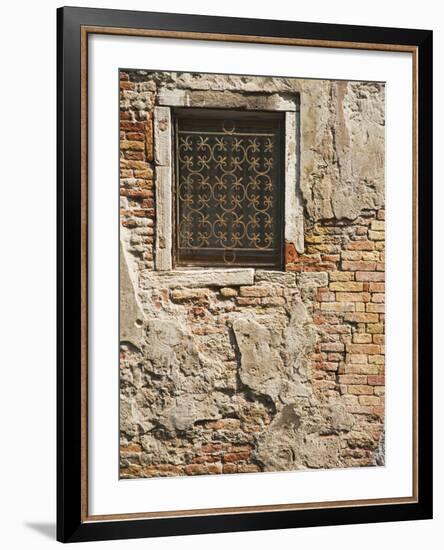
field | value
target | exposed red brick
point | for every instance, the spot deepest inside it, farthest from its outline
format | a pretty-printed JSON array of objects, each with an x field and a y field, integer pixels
[
  {"x": 254, "y": 291},
  {"x": 326, "y": 365},
  {"x": 149, "y": 140},
  {"x": 332, "y": 346},
  {"x": 377, "y": 287},
  {"x": 360, "y": 389},
  {"x": 290, "y": 253},
  {"x": 200, "y": 469},
  {"x": 214, "y": 447},
  {"x": 359, "y": 338},
  {"x": 324, "y": 295},
  {"x": 353, "y": 379},
  {"x": 131, "y": 448},
  {"x": 376, "y": 380},
  {"x": 360, "y": 317},
  {"x": 131, "y": 126},
  {"x": 361, "y": 245},
  {"x": 368, "y": 349},
  {"x": 235, "y": 457},
  {"x": 205, "y": 459},
  {"x": 134, "y": 155},
  {"x": 370, "y": 276},
  {"x": 375, "y": 308},
  {"x": 134, "y": 145},
  {"x": 248, "y": 301},
  {"x": 369, "y": 400},
  {"x": 352, "y": 296},
  {"x": 273, "y": 301},
  {"x": 358, "y": 266},
  {"x": 248, "y": 468}
]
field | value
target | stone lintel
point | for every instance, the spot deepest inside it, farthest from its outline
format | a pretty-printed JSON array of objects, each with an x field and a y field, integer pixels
[
  {"x": 226, "y": 100},
  {"x": 197, "y": 278}
]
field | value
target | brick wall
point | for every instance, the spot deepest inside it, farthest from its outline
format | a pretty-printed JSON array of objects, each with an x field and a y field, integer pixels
[{"x": 301, "y": 387}]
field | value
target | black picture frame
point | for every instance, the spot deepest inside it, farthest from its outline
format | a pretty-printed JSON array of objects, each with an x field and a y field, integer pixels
[{"x": 72, "y": 523}]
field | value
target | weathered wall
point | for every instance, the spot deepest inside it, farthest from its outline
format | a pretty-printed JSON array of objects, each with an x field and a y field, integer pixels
[{"x": 286, "y": 370}]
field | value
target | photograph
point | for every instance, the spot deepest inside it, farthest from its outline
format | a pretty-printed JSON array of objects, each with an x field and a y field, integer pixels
[
  {"x": 252, "y": 237},
  {"x": 221, "y": 293}
]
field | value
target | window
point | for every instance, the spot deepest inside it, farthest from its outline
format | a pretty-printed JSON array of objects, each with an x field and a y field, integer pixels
[{"x": 229, "y": 184}]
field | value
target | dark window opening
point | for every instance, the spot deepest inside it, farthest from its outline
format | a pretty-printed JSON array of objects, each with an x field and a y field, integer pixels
[{"x": 229, "y": 188}]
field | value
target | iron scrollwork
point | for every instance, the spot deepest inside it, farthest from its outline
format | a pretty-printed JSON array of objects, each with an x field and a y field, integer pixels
[{"x": 228, "y": 198}]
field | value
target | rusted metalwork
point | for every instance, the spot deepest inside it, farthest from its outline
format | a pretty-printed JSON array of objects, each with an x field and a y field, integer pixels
[{"x": 229, "y": 188}]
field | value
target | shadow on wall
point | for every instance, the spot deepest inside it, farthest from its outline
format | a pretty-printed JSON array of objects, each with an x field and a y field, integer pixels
[{"x": 45, "y": 528}]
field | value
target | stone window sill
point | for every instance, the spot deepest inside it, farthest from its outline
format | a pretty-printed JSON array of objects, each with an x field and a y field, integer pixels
[{"x": 198, "y": 278}]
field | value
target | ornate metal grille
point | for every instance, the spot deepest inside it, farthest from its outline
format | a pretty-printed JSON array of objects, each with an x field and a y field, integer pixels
[{"x": 229, "y": 188}]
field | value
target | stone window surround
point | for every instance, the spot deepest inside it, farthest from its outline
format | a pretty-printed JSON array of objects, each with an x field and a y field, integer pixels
[{"x": 163, "y": 159}]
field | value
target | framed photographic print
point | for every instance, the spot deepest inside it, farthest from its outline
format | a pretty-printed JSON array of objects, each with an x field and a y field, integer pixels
[{"x": 244, "y": 244}]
